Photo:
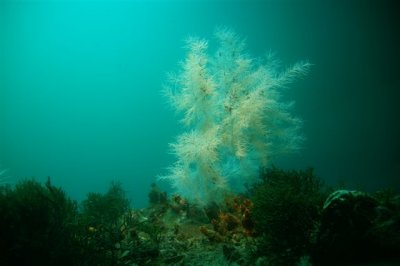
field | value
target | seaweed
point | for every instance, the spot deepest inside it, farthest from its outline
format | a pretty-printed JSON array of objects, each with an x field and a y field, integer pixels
[
  {"x": 287, "y": 206},
  {"x": 37, "y": 225}
]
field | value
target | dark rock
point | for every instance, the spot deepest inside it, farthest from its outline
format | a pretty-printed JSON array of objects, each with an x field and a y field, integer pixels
[{"x": 355, "y": 228}]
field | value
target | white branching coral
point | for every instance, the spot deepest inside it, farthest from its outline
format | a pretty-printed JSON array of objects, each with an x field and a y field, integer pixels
[
  {"x": 3, "y": 177},
  {"x": 236, "y": 121}
]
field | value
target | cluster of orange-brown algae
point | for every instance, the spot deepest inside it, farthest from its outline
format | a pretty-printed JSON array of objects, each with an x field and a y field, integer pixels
[
  {"x": 233, "y": 223},
  {"x": 211, "y": 235},
  {"x": 241, "y": 207}
]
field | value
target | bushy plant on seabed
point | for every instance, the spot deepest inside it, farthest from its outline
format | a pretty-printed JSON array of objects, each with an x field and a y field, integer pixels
[
  {"x": 234, "y": 117},
  {"x": 36, "y": 225},
  {"x": 287, "y": 206}
]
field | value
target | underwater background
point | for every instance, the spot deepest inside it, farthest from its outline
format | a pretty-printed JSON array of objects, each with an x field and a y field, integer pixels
[{"x": 81, "y": 81}]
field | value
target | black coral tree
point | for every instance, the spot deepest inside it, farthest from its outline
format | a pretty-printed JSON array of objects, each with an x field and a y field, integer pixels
[{"x": 233, "y": 114}]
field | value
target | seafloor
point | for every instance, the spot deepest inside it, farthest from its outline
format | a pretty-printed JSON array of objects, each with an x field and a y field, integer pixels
[{"x": 289, "y": 218}]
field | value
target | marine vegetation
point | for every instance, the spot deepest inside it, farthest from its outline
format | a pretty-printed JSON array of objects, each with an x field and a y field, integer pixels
[
  {"x": 40, "y": 225},
  {"x": 282, "y": 220},
  {"x": 234, "y": 117},
  {"x": 101, "y": 221},
  {"x": 36, "y": 225},
  {"x": 287, "y": 206}
]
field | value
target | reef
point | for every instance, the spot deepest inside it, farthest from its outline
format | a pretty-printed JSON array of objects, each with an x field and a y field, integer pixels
[{"x": 287, "y": 218}]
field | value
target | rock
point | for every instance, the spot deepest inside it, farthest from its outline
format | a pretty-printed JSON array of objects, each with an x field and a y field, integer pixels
[{"x": 355, "y": 228}]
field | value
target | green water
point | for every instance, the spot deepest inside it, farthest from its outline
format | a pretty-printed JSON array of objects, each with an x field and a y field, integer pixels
[{"x": 80, "y": 86}]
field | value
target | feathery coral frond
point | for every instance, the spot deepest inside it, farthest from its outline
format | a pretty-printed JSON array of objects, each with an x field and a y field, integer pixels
[{"x": 231, "y": 106}]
